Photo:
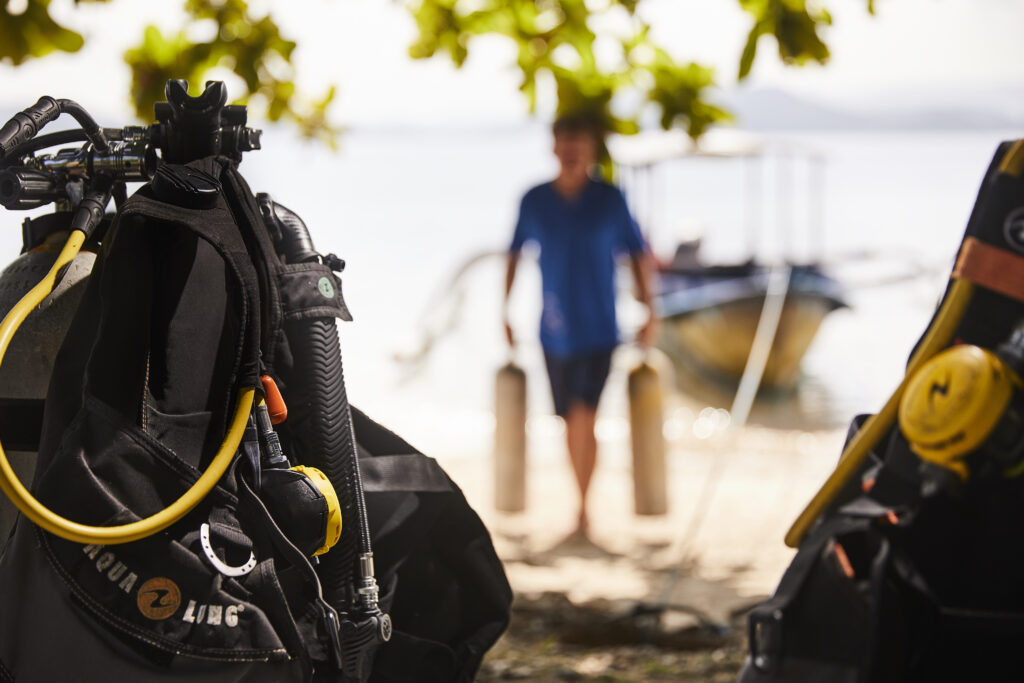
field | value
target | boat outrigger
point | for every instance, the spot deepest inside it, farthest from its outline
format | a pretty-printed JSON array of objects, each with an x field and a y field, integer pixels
[{"x": 710, "y": 311}]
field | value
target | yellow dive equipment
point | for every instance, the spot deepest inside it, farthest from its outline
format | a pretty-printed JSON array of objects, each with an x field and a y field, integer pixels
[
  {"x": 323, "y": 484},
  {"x": 81, "y": 533},
  {"x": 954, "y": 403},
  {"x": 285, "y": 489},
  {"x": 937, "y": 338}
]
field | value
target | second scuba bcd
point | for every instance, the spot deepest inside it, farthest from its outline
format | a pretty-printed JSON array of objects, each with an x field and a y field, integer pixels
[{"x": 908, "y": 558}]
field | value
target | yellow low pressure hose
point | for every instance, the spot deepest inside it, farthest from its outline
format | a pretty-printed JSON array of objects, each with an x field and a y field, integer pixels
[
  {"x": 81, "y": 533},
  {"x": 877, "y": 426}
]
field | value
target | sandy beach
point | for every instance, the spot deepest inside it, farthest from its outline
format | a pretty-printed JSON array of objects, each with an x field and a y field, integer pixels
[
  {"x": 732, "y": 497},
  {"x": 658, "y": 597}
]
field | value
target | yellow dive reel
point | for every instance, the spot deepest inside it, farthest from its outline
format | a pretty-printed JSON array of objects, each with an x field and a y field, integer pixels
[{"x": 960, "y": 412}]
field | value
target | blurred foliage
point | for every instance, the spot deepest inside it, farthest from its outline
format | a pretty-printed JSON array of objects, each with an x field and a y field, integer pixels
[
  {"x": 252, "y": 47},
  {"x": 232, "y": 38},
  {"x": 795, "y": 29},
  {"x": 557, "y": 37},
  {"x": 31, "y": 32},
  {"x": 554, "y": 39}
]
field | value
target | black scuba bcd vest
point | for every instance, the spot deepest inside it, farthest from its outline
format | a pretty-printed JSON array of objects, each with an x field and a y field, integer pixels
[{"x": 198, "y": 290}]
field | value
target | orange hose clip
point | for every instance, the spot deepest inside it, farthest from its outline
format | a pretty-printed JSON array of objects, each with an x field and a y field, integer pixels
[{"x": 275, "y": 402}]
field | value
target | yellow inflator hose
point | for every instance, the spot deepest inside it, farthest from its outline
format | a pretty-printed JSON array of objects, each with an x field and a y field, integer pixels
[
  {"x": 81, "y": 533},
  {"x": 877, "y": 426}
]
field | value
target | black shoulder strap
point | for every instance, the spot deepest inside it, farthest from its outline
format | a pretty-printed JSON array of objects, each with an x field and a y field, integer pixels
[
  {"x": 263, "y": 257},
  {"x": 216, "y": 225}
]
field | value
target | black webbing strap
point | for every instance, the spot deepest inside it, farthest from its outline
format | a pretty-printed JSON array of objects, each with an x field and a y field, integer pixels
[
  {"x": 218, "y": 227},
  {"x": 262, "y": 255}
]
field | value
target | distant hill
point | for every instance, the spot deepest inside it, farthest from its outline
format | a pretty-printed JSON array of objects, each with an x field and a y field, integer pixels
[
  {"x": 756, "y": 109},
  {"x": 974, "y": 108}
]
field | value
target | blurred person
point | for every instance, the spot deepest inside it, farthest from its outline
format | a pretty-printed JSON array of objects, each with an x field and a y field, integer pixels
[{"x": 580, "y": 224}]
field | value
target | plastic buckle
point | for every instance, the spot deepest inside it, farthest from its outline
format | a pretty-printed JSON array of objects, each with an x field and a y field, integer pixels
[{"x": 765, "y": 637}]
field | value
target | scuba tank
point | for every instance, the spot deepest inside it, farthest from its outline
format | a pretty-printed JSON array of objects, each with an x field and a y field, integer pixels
[
  {"x": 25, "y": 376},
  {"x": 198, "y": 509},
  {"x": 908, "y": 558},
  {"x": 646, "y": 421},
  {"x": 510, "y": 439}
]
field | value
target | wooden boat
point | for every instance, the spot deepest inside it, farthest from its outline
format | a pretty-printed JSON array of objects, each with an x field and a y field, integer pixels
[
  {"x": 710, "y": 311},
  {"x": 710, "y": 314}
]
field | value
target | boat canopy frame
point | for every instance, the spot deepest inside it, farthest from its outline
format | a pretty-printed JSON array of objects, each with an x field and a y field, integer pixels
[{"x": 642, "y": 160}]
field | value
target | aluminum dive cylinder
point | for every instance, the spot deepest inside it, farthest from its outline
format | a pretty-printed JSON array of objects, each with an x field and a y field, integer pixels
[
  {"x": 510, "y": 439},
  {"x": 650, "y": 481},
  {"x": 25, "y": 373}
]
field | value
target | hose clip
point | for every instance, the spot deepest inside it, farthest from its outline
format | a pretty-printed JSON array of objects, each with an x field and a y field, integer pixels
[{"x": 218, "y": 564}]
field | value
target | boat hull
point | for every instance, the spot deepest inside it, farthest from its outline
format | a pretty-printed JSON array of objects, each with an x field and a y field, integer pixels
[{"x": 715, "y": 342}]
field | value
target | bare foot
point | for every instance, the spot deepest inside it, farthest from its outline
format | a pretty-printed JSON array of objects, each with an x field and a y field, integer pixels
[{"x": 582, "y": 526}]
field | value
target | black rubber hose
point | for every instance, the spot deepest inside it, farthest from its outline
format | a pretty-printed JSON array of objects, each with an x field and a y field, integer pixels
[
  {"x": 61, "y": 137},
  {"x": 296, "y": 244},
  {"x": 90, "y": 210},
  {"x": 26, "y": 124},
  {"x": 321, "y": 422},
  {"x": 321, "y": 425},
  {"x": 87, "y": 122}
]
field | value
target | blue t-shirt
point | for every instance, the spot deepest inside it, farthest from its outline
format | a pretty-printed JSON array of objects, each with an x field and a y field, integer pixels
[{"x": 579, "y": 239}]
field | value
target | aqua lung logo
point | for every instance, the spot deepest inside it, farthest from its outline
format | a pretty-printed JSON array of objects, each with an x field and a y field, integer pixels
[
  {"x": 214, "y": 615},
  {"x": 110, "y": 567},
  {"x": 159, "y": 598},
  {"x": 1013, "y": 229}
]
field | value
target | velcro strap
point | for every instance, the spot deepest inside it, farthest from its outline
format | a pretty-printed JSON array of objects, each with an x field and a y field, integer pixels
[{"x": 990, "y": 267}]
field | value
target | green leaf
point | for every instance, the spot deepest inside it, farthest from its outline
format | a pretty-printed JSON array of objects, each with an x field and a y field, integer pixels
[
  {"x": 251, "y": 46},
  {"x": 33, "y": 33},
  {"x": 750, "y": 50},
  {"x": 250, "y": 43}
]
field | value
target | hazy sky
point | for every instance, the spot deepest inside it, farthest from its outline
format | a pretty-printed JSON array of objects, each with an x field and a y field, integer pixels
[{"x": 943, "y": 46}]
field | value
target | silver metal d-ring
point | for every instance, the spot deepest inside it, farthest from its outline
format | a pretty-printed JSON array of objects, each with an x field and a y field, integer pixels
[{"x": 225, "y": 569}]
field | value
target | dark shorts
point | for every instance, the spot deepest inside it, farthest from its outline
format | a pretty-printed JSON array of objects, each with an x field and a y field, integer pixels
[{"x": 578, "y": 378}]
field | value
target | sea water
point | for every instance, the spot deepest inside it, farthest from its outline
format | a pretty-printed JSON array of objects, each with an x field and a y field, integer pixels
[{"x": 407, "y": 207}]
